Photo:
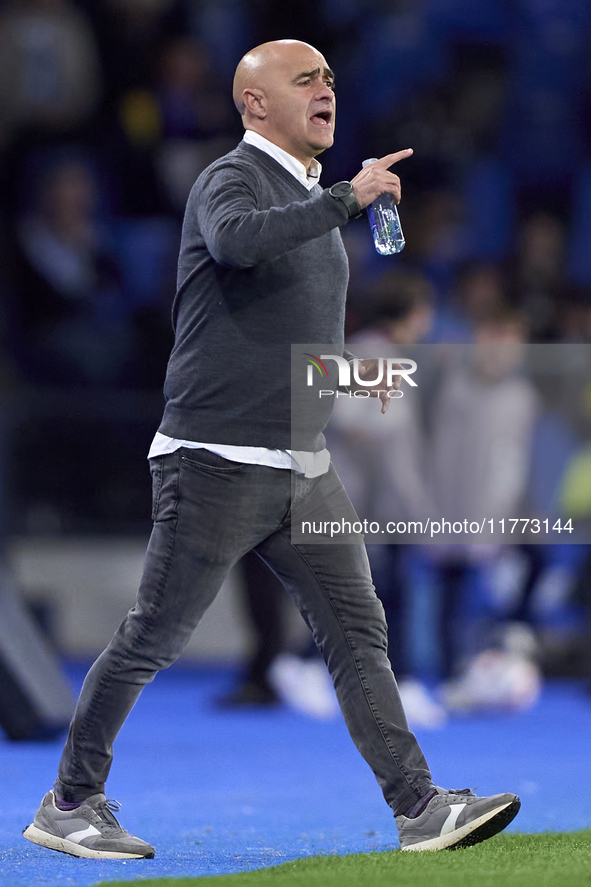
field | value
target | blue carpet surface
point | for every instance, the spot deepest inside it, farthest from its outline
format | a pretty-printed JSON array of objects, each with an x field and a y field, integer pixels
[{"x": 225, "y": 792}]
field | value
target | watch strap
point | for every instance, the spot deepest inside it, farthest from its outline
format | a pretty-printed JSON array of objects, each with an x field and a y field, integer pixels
[{"x": 347, "y": 197}]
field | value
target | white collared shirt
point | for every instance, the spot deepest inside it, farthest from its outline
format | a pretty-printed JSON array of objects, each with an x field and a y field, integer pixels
[
  {"x": 308, "y": 177},
  {"x": 303, "y": 462}
]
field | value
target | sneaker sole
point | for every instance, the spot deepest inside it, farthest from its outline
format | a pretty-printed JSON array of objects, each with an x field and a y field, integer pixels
[
  {"x": 473, "y": 832},
  {"x": 62, "y": 845}
]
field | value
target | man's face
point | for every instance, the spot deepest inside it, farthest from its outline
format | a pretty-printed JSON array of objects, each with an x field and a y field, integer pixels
[{"x": 300, "y": 102}]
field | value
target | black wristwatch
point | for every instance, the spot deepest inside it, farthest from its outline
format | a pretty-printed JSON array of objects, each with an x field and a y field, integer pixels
[{"x": 343, "y": 191}]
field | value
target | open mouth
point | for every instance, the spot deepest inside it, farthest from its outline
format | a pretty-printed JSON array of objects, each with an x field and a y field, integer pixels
[{"x": 322, "y": 118}]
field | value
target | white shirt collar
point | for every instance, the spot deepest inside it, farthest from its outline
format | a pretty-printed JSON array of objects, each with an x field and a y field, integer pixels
[{"x": 307, "y": 177}]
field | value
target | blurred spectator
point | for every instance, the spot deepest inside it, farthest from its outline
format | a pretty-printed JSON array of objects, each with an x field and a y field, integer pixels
[
  {"x": 69, "y": 311},
  {"x": 129, "y": 35},
  {"x": 382, "y": 459},
  {"x": 370, "y": 447},
  {"x": 192, "y": 104},
  {"x": 482, "y": 442},
  {"x": 477, "y": 292},
  {"x": 196, "y": 117},
  {"x": 483, "y": 424},
  {"x": 540, "y": 285},
  {"x": 49, "y": 72},
  {"x": 573, "y": 321},
  {"x": 433, "y": 223},
  {"x": 170, "y": 128},
  {"x": 480, "y": 291}
]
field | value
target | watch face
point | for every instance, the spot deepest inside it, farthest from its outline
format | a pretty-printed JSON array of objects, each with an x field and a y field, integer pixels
[{"x": 341, "y": 189}]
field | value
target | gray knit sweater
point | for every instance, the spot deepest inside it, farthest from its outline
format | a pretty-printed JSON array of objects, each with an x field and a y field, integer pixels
[{"x": 262, "y": 265}]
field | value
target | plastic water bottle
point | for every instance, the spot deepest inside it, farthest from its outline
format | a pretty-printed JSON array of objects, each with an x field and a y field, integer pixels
[{"x": 385, "y": 222}]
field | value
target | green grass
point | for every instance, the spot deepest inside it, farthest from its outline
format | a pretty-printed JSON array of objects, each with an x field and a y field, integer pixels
[{"x": 514, "y": 860}]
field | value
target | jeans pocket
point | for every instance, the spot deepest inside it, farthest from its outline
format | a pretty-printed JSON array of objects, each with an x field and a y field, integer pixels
[
  {"x": 156, "y": 472},
  {"x": 209, "y": 462}
]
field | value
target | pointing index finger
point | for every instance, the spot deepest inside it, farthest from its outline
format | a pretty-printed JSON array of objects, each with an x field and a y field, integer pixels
[{"x": 390, "y": 159}]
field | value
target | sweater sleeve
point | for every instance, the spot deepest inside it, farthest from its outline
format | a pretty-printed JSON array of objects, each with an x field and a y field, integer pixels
[{"x": 239, "y": 234}]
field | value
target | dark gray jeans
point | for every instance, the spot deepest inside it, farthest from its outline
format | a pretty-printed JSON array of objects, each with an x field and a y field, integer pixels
[{"x": 207, "y": 513}]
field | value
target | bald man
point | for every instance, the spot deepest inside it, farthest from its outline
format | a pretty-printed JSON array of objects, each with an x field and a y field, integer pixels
[{"x": 261, "y": 266}]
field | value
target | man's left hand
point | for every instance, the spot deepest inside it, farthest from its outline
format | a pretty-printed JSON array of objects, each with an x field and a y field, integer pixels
[{"x": 369, "y": 369}]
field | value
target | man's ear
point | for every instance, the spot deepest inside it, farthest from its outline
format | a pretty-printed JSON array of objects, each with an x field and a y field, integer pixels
[{"x": 254, "y": 103}]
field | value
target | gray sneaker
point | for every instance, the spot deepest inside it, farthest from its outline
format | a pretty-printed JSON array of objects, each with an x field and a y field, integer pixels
[
  {"x": 90, "y": 831},
  {"x": 454, "y": 819}
]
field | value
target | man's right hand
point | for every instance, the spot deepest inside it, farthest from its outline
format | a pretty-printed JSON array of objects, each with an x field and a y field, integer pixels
[{"x": 375, "y": 179}]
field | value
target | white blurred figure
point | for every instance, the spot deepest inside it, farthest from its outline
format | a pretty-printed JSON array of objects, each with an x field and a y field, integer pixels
[
  {"x": 500, "y": 680},
  {"x": 305, "y": 685},
  {"x": 422, "y": 708}
]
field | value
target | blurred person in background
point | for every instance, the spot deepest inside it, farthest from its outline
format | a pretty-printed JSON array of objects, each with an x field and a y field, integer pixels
[
  {"x": 483, "y": 425},
  {"x": 130, "y": 35},
  {"x": 477, "y": 290},
  {"x": 127, "y": 129},
  {"x": 384, "y": 467},
  {"x": 197, "y": 123},
  {"x": 69, "y": 312},
  {"x": 480, "y": 289},
  {"x": 540, "y": 274},
  {"x": 168, "y": 127},
  {"x": 50, "y": 78},
  {"x": 434, "y": 228}
]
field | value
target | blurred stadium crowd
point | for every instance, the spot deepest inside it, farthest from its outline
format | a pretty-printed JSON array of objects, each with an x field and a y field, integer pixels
[{"x": 109, "y": 109}]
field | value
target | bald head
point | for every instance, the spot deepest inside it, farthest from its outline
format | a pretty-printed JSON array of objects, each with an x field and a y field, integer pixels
[
  {"x": 252, "y": 69},
  {"x": 283, "y": 91},
  {"x": 258, "y": 68}
]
